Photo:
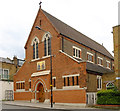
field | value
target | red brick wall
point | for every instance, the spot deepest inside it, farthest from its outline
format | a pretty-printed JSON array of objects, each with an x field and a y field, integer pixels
[
  {"x": 62, "y": 65},
  {"x": 23, "y": 96},
  {"x": 70, "y": 96}
]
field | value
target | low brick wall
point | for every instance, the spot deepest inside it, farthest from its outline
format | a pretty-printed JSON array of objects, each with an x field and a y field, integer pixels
[{"x": 69, "y": 96}]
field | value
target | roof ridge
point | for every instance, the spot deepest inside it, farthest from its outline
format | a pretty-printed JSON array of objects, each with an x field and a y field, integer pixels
[
  {"x": 76, "y": 32},
  {"x": 72, "y": 27}
]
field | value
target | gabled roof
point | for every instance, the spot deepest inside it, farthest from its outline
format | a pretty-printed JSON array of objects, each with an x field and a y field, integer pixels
[{"x": 73, "y": 34}]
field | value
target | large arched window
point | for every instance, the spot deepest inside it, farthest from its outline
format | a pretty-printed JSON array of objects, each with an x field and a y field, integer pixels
[
  {"x": 35, "y": 43},
  {"x": 47, "y": 44}
]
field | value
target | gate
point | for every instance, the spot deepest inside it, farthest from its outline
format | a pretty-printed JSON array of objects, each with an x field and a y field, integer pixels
[{"x": 9, "y": 95}]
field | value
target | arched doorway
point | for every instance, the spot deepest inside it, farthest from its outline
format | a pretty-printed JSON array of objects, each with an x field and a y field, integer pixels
[{"x": 40, "y": 96}]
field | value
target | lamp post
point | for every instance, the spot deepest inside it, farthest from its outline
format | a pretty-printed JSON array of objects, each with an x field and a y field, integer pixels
[{"x": 50, "y": 64}]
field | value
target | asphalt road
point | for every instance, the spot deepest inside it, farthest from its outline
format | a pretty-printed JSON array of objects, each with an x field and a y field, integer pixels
[{"x": 22, "y": 108}]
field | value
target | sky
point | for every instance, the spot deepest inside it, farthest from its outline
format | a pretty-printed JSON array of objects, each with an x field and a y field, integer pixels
[{"x": 94, "y": 18}]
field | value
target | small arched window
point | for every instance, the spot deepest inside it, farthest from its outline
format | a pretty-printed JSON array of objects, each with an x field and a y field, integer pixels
[
  {"x": 109, "y": 85},
  {"x": 47, "y": 44},
  {"x": 35, "y": 43}
]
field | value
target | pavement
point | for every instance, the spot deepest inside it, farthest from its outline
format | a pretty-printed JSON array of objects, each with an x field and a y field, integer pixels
[{"x": 43, "y": 105}]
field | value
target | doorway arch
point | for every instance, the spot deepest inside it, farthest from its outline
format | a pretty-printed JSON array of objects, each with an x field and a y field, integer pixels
[{"x": 39, "y": 92}]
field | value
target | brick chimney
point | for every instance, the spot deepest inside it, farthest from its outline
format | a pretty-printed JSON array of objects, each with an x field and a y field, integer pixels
[
  {"x": 15, "y": 60},
  {"x": 116, "y": 39}
]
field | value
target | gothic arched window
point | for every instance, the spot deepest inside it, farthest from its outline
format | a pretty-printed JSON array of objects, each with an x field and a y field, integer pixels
[
  {"x": 47, "y": 45},
  {"x": 35, "y": 43}
]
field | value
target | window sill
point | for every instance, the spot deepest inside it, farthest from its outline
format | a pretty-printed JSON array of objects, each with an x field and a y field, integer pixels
[
  {"x": 44, "y": 57},
  {"x": 54, "y": 88},
  {"x": 100, "y": 65},
  {"x": 108, "y": 68},
  {"x": 77, "y": 57},
  {"x": 90, "y": 61},
  {"x": 20, "y": 90},
  {"x": 71, "y": 87},
  {"x": 35, "y": 59},
  {"x": 99, "y": 88}
]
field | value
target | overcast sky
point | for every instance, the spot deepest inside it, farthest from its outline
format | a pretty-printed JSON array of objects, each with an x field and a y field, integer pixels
[{"x": 94, "y": 18}]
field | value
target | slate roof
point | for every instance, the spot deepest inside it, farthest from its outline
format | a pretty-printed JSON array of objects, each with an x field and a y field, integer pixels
[
  {"x": 96, "y": 68},
  {"x": 5, "y": 60},
  {"x": 73, "y": 34}
]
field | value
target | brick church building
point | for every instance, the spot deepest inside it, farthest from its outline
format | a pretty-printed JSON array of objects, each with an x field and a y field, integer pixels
[{"x": 78, "y": 64}]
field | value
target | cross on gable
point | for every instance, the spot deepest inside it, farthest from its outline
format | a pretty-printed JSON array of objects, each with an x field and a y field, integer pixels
[{"x": 40, "y": 4}]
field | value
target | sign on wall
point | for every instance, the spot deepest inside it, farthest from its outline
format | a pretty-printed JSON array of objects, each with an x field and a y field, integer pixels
[{"x": 41, "y": 65}]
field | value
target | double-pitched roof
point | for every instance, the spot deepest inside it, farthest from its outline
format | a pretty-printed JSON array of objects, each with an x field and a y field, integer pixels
[{"x": 75, "y": 35}]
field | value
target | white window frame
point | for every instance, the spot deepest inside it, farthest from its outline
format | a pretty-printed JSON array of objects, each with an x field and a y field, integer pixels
[
  {"x": 3, "y": 74},
  {"x": 91, "y": 55},
  {"x": 71, "y": 87},
  {"x": 98, "y": 61},
  {"x": 107, "y": 63},
  {"x": 44, "y": 37},
  {"x": 20, "y": 90},
  {"x": 76, "y": 48},
  {"x": 33, "y": 42},
  {"x": 100, "y": 79}
]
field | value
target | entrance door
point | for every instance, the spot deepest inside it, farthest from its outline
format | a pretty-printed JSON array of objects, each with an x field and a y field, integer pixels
[{"x": 40, "y": 93}]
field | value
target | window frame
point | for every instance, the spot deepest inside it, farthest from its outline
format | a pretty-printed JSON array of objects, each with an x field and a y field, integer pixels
[
  {"x": 77, "y": 52},
  {"x": 99, "y": 58},
  {"x": 47, "y": 45},
  {"x": 2, "y": 74},
  {"x": 107, "y": 62},
  {"x": 99, "y": 82},
  {"x": 35, "y": 45},
  {"x": 90, "y": 54}
]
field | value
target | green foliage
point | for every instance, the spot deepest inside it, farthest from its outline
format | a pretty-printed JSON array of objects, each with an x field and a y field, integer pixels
[{"x": 111, "y": 96}]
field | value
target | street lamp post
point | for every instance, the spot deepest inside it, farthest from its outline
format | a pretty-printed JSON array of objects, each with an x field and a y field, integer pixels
[{"x": 50, "y": 65}]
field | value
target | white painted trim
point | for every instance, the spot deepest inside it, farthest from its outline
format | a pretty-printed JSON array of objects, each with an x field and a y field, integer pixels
[
  {"x": 34, "y": 39},
  {"x": 70, "y": 56},
  {"x": 44, "y": 36},
  {"x": 44, "y": 57},
  {"x": 72, "y": 104},
  {"x": 76, "y": 48},
  {"x": 100, "y": 78},
  {"x": 117, "y": 78},
  {"x": 90, "y": 53},
  {"x": 35, "y": 59},
  {"x": 68, "y": 89},
  {"x": 3, "y": 73},
  {"x": 40, "y": 73},
  {"x": 100, "y": 65},
  {"x": 90, "y": 61},
  {"x": 54, "y": 88},
  {"x": 100, "y": 58},
  {"x": 21, "y": 90},
  {"x": 71, "y": 87},
  {"x": 71, "y": 75},
  {"x": 53, "y": 77},
  {"x": 107, "y": 61},
  {"x": 20, "y": 81}
]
